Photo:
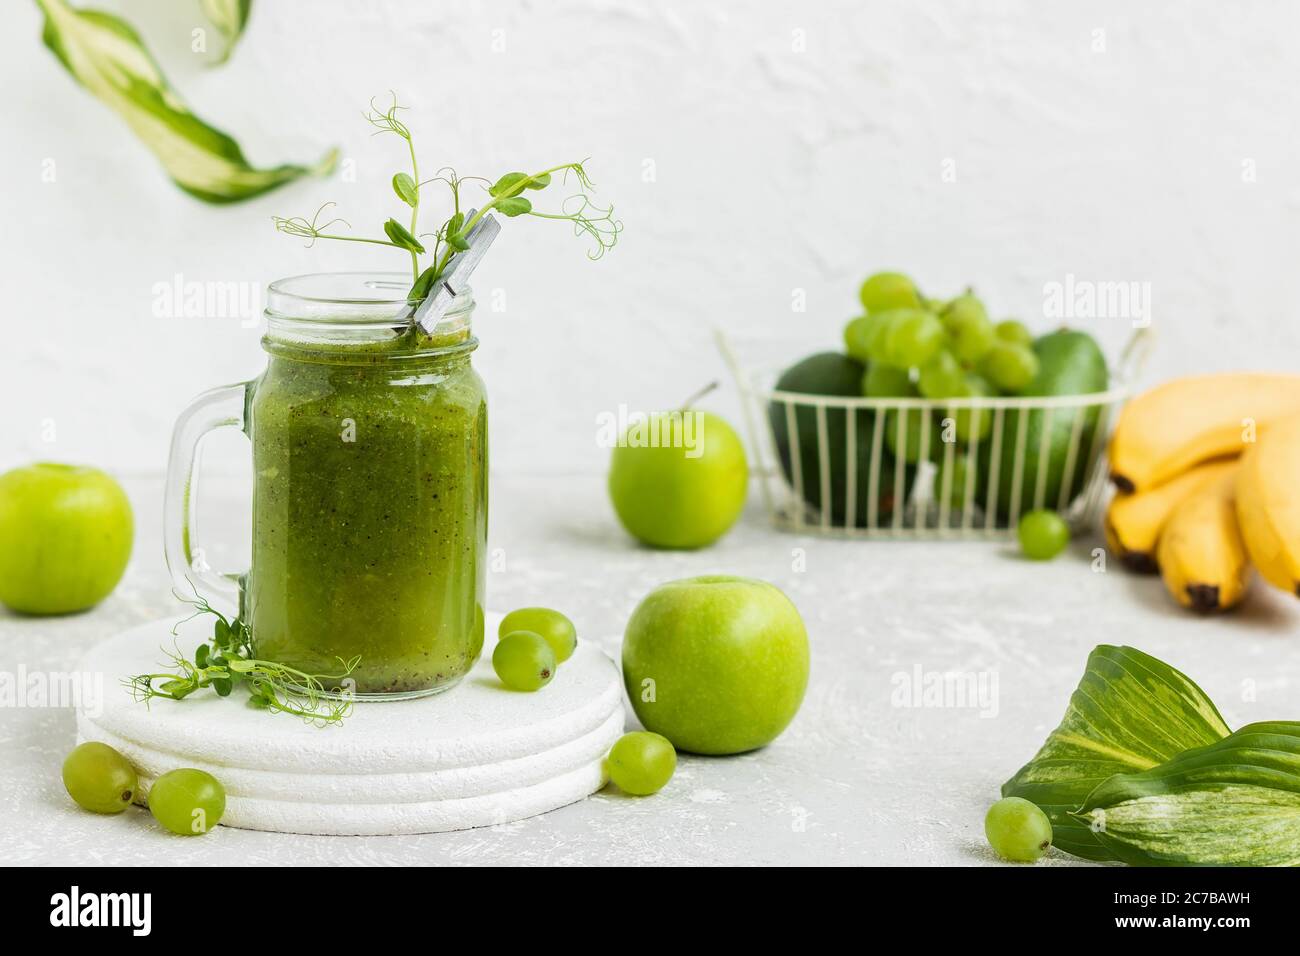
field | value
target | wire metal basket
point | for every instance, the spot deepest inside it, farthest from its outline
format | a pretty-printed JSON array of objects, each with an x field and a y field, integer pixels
[{"x": 824, "y": 466}]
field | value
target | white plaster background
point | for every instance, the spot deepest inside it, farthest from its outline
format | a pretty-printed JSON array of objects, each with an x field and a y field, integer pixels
[{"x": 775, "y": 170}]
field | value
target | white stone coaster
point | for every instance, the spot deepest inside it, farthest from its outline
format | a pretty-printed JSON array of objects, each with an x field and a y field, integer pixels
[{"x": 473, "y": 756}]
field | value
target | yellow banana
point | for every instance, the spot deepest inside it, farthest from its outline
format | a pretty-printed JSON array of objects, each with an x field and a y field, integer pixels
[
  {"x": 1133, "y": 522},
  {"x": 1202, "y": 557},
  {"x": 1166, "y": 430},
  {"x": 1268, "y": 504}
]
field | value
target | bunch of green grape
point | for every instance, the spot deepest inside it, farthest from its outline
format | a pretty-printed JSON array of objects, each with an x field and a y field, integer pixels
[{"x": 918, "y": 347}]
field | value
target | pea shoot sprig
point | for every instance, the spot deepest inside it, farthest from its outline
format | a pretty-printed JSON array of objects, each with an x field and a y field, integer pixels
[
  {"x": 226, "y": 661},
  {"x": 505, "y": 195}
]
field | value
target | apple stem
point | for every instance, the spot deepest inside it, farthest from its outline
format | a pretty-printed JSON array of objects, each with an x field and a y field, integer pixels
[{"x": 686, "y": 405}]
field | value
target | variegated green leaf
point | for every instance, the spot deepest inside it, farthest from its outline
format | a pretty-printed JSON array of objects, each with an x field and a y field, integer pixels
[
  {"x": 229, "y": 17},
  {"x": 108, "y": 58},
  {"x": 1129, "y": 713},
  {"x": 1232, "y": 803}
]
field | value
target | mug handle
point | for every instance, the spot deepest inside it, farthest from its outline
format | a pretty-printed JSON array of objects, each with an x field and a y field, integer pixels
[{"x": 216, "y": 408}]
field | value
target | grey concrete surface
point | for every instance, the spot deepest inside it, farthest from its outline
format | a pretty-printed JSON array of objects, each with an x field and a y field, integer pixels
[{"x": 869, "y": 772}]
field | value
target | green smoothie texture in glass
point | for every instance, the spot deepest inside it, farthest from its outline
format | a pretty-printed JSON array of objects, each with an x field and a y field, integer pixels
[{"x": 369, "y": 512}]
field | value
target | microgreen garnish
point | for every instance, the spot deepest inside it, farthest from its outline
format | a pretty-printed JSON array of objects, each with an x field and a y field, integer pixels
[
  {"x": 226, "y": 661},
  {"x": 505, "y": 195}
]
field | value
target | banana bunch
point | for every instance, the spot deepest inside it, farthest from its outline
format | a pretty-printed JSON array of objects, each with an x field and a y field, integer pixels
[
  {"x": 1268, "y": 504},
  {"x": 1208, "y": 471}
]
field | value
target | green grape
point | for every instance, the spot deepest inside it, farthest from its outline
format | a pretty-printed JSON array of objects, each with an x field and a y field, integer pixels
[
  {"x": 557, "y": 629},
  {"x": 911, "y": 435},
  {"x": 887, "y": 381},
  {"x": 886, "y": 323},
  {"x": 189, "y": 802},
  {"x": 972, "y": 423},
  {"x": 1043, "y": 534},
  {"x": 864, "y": 335},
  {"x": 969, "y": 330},
  {"x": 954, "y": 476},
  {"x": 888, "y": 290},
  {"x": 856, "y": 333},
  {"x": 941, "y": 377},
  {"x": 641, "y": 763},
  {"x": 1009, "y": 366},
  {"x": 1010, "y": 330},
  {"x": 524, "y": 661},
  {"x": 99, "y": 778},
  {"x": 913, "y": 338},
  {"x": 965, "y": 307},
  {"x": 1018, "y": 830}
]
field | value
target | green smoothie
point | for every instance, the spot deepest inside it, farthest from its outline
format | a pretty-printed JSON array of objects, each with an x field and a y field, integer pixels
[{"x": 369, "y": 511}]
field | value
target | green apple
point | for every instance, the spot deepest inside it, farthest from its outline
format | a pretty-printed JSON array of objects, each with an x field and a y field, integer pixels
[
  {"x": 679, "y": 479},
  {"x": 716, "y": 664},
  {"x": 65, "y": 537}
]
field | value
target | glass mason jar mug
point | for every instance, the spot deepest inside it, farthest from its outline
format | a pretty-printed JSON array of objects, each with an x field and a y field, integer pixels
[{"x": 369, "y": 531}]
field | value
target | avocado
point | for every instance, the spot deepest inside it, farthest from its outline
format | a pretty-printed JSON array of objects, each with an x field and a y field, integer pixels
[
  {"x": 1069, "y": 363},
  {"x": 835, "y": 374}
]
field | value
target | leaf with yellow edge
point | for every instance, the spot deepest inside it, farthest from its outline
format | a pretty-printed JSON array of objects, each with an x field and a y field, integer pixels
[
  {"x": 1130, "y": 712},
  {"x": 1231, "y": 803},
  {"x": 229, "y": 17},
  {"x": 106, "y": 56}
]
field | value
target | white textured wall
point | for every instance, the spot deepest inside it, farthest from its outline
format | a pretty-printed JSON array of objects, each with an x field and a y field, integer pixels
[{"x": 776, "y": 168}]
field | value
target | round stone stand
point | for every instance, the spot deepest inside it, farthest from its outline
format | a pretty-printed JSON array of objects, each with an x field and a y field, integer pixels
[{"x": 475, "y": 755}]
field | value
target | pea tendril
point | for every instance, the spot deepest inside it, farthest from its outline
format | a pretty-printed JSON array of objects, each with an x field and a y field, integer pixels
[
  {"x": 505, "y": 196},
  {"x": 227, "y": 661}
]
